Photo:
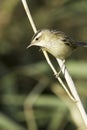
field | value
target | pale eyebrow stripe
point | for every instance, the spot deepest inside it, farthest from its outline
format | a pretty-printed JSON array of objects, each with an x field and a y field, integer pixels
[{"x": 36, "y": 34}]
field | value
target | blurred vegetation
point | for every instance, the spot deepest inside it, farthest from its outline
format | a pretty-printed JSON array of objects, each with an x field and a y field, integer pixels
[{"x": 25, "y": 77}]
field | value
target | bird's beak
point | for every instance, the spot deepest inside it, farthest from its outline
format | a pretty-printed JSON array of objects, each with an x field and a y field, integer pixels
[
  {"x": 29, "y": 46},
  {"x": 33, "y": 44}
]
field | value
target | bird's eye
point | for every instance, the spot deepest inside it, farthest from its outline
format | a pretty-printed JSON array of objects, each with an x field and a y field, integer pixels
[{"x": 37, "y": 39}]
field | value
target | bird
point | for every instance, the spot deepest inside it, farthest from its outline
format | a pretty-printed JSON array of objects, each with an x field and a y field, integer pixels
[{"x": 57, "y": 43}]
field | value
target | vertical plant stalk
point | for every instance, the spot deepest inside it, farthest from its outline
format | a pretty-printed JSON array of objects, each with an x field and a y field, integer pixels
[
  {"x": 73, "y": 90},
  {"x": 55, "y": 73},
  {"x": 68, "y": 78},
  {"x": 29, "y": 15}
]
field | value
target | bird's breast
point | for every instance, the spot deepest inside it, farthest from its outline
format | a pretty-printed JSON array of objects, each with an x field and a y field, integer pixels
[{"x": 59, "y": 49}]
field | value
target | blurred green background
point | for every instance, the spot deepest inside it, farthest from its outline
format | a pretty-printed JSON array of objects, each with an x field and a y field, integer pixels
[{"x": 30, "y": 96}]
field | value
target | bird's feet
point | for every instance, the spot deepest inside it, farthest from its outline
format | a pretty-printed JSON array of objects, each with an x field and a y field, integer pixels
[{"x": 57, "y": 74}]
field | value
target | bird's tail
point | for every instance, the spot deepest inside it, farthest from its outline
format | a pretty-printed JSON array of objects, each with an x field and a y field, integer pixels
[{"x": 83, "y": 44}]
